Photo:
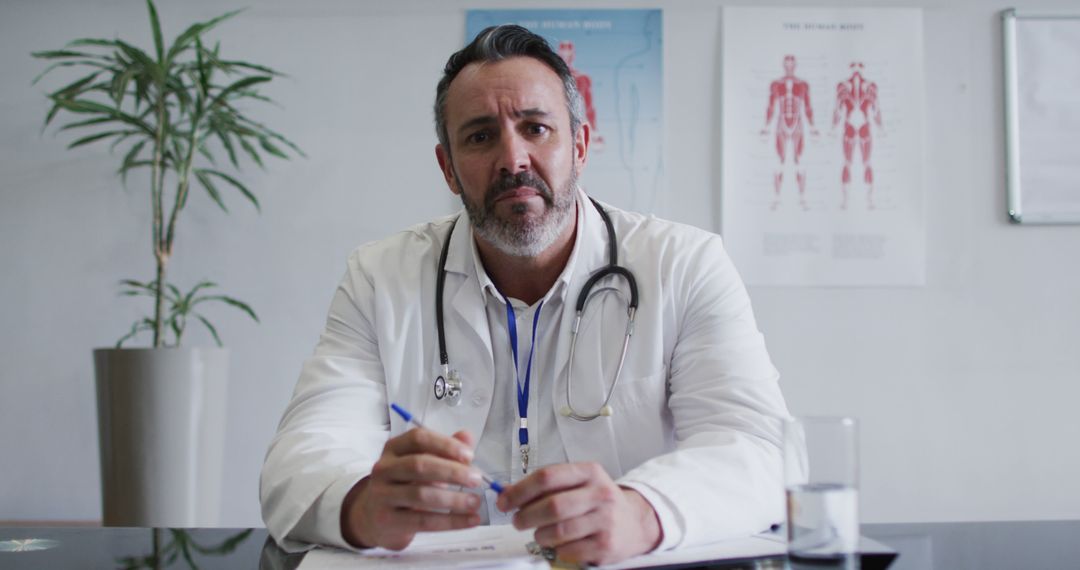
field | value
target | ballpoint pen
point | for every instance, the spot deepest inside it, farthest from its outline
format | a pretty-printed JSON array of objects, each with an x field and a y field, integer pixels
[{"x": 405, "y": 415}]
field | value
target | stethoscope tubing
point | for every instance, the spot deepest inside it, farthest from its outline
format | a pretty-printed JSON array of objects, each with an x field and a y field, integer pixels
[{"x": 612, "y": 268}]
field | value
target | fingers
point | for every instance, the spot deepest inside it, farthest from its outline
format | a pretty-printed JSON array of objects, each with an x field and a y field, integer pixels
[
  {"x": 411, "y": 489},
  {"x": 418, "y": 441},
  {"x": 429, "y": 498},
  {"x": 569, "y": 530},
  {"x": 557, "y": 507},
  {"x": 465, "y": 437},
  {"x": 549, "y": 480},
  {"x": 425, "y": 469}
]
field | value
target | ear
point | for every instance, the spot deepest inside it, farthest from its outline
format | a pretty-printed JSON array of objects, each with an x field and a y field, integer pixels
[
  {"x": 447, "y": 167},
  {"x": 581, "y": 145}
]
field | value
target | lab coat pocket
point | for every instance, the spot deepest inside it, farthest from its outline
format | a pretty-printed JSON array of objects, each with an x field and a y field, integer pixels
[{"x": 641, "y": 419}]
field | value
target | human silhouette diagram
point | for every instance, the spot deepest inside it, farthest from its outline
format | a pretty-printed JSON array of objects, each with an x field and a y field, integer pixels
[
  {"x": 789, "y": 102},
  {"x": 856, "y": 107}
]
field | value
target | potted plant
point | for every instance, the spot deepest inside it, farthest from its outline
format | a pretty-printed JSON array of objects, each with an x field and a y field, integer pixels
[{"x": 175, "y": 111}]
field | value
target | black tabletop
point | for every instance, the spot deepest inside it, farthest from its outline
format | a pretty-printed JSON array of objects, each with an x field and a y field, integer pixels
[{"x": 924, "y": 546}]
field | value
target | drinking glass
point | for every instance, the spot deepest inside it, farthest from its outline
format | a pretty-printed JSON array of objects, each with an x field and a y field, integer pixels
[{"x": 821, "y": 479}]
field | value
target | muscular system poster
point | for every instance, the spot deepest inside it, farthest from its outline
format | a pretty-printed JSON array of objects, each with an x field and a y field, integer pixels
[
  {"x": 822, "y": 146},
  {"x": 616, "y": 58}
]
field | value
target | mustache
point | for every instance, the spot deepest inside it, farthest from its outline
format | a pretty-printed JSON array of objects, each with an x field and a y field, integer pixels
[{"x": 513, "y": 182}]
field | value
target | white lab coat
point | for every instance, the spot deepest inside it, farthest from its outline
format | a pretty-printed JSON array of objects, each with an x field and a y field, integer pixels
[{"x": 697, "y": 410}]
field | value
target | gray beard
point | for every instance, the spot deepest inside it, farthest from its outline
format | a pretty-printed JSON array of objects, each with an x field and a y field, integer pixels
[{"x": 517, "y": 237}]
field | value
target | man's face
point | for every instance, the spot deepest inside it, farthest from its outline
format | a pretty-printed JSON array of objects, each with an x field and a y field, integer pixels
[
  {"x": 789, "y": 65},
  {"x": 512, "y": 157}
]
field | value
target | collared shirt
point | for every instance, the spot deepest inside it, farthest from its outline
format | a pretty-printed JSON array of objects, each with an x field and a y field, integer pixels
[{"x": 498, "y": 450}]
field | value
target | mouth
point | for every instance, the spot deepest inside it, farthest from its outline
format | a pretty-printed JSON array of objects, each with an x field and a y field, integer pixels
[{"x": 519, "y": 193}]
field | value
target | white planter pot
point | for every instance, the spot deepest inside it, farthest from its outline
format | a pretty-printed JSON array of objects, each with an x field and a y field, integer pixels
[{"x": 161, "y": 422}]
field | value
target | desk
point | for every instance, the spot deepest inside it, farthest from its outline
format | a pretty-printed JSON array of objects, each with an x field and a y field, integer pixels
[{"x": 923, "y": 546}]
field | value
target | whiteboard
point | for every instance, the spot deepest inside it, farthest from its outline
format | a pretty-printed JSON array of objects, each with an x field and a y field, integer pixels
[{"x": 1042, "y": 116}]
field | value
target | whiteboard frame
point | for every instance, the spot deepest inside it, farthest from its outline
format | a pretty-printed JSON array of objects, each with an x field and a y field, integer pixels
[{"x": 1014, "y": 194}]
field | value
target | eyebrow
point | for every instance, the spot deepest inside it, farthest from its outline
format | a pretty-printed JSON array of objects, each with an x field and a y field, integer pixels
[{"x": 485, "y": 120}]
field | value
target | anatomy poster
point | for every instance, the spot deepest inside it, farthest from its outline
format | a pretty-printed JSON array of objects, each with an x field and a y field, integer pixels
[
  {"x": 615, "y": 56},
  {"x": 822, "y": 146}
]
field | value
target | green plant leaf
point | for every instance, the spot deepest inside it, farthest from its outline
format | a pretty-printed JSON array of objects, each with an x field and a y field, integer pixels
[
  {"x": 129, "y": 160},
  {"x": 225, "y": 142},
  {"x": 120, "y": 84},
  {"x": 205, "y": 152},
  {"x": 212, "y": 190},
  {"x": 210, "y": 327},
  {"x": 227, "y": 546},
  {"x": 92, "y": 42},
  {"x": 245, "y": 65},
  {"x": 65, "y": 54},
  {"x": 155, "y": 25},
  {"x": 203, "y": 70},
  {"x": 234, "y": 302},
  {"x": 236, "y": 86},
  {"x": 269, "y": 147},
  {"x": 85, "y": 106},
  {"x": 177, "y": 329},
  {"x": 273, "y": 134},
  {"x": 236, "y": 184},
  {"x": 250, "y": 150},
  {"x": 48, "y": 69},
  {"x": 134, "y": 331},
  {"x": 157, "y": 72},
  {"x": 74, "y": 88},
  {"x": 95, "y": 137},
  {"x": 121, "y": 138},
  {"x": 87, "y": 123},
  {"x": 174, "y": 292},
  {"x": 184, "y": 40}
]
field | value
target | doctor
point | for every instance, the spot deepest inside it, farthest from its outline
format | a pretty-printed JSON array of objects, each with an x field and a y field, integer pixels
[{"x": 687, "y": 447}]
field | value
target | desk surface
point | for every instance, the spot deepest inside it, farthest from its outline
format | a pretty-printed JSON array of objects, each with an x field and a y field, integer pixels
[{"x": 923, "y": 546}]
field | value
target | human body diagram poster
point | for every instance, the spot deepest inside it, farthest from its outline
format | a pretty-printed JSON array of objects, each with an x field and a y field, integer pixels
[
  {"x": 822, "y": 146},
  {"x": 616, "y": 59}
]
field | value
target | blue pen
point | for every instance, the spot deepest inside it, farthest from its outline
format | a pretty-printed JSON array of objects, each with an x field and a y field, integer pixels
[{"x": 495, "y": 485}]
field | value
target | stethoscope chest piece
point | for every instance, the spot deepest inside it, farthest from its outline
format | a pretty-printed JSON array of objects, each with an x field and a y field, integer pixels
[{"x": 448, "y": 388}]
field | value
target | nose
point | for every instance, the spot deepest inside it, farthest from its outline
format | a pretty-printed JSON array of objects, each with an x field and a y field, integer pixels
[{"x": 513, "y": 153}]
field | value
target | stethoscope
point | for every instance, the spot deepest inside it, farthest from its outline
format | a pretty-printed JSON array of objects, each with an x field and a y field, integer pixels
[{"x": 448, "y": 385}]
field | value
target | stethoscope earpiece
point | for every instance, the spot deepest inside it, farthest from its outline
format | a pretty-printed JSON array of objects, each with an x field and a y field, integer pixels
[{"x": 605, "y": 411}]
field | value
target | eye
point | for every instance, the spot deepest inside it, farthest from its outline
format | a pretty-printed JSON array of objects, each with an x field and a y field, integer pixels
[
  {"x": 537, "y": 129},
  {"x": 479, "y": 137}
]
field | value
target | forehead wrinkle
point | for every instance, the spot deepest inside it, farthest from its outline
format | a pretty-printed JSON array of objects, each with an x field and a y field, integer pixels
[{"x": 487, "y": 120}]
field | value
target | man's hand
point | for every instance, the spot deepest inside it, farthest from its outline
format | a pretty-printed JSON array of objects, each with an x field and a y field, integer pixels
[
  {"x": 408, "y": 491},
  {"x": 580, "y": 512}
]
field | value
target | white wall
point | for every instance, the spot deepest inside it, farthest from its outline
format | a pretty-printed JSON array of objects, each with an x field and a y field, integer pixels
[{"x": 966, "y": 387}]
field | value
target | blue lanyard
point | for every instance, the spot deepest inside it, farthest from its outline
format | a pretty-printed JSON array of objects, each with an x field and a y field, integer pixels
[{"x": 522, "y": 389}]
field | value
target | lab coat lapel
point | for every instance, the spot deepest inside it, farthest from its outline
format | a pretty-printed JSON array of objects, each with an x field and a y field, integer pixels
[
  {"x": 593, "y": 440},
  {"x": 468, "y": 340}
]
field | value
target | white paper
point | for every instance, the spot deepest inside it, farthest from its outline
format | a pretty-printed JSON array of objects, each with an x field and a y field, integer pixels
[
  {"x": 758, "y": 546},
  {"x": 504, "y": 547},
  {"x": 1049, "y": 118},
  {"x": 828, "y": 190},
  {"x": 499, "y": 546}
]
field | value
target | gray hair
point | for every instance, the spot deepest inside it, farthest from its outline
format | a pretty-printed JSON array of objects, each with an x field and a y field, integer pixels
[{"x": 497, "y": 43}]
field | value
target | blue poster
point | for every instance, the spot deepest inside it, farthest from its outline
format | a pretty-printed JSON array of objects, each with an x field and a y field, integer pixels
[{"x": 616, "y": 58}]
